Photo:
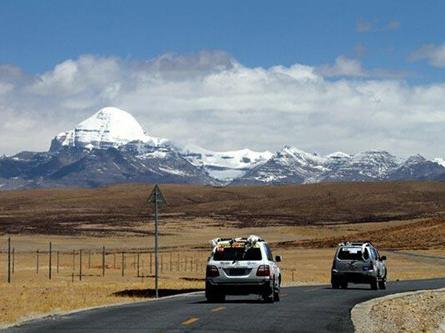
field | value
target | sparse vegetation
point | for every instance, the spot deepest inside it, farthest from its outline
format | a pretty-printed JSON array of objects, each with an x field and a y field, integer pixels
[{"x": 302, "y": 223}]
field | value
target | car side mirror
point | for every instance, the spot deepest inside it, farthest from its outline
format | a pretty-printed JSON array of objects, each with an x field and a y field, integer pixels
[
  {"x": 383, "y": 258},
  {"x": 278, "y": 258}
]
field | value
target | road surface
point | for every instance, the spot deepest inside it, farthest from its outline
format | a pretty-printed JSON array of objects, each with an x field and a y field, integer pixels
[{"x": 302, "y": 309}]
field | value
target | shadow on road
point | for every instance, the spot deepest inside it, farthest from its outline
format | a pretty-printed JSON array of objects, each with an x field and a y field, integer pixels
[
  {"x": 150, "y": 293},
  {"x": 232, "y": 301}
]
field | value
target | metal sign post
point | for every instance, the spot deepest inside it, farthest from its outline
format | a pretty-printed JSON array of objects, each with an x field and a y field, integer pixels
[{"x": 157, "y": 199}]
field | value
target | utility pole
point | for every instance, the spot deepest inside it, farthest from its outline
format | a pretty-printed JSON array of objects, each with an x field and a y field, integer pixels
[
  {"x": 50, "y": 252},
  {"x": 157, "y": 199}
]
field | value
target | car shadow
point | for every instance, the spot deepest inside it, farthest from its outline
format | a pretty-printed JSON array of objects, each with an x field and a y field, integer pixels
[
  {"x": 150, "y": 293},
  {"x": 232, "y": 301},
  {"x": 351, "y": 288}
]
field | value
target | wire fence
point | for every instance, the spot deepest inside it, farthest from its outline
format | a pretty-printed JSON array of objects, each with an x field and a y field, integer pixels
[{"x": 55, "y": 262}]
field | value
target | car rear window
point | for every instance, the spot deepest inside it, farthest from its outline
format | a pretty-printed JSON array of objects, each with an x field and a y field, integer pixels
[
  {"x": 231, "y": 253},
  {"x": 351, "y": 253}
]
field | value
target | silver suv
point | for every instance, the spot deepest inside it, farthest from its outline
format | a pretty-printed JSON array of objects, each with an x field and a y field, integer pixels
[
  {"x": 242, "y": 266},
  {"x": 358, "y": 262}
]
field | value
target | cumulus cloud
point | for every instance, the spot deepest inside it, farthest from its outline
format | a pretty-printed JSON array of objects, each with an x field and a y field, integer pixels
[
  {"x": 348, "y": 67},
  {"x": 434, "y": 54},
  {"x": 210, "y": 99}
]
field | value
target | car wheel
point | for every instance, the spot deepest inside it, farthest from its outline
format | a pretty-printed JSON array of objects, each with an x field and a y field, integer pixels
[
  {"x": 344, "y": 284},
  {"x": 268, "y": 296},
  {"x": 276, "y": 295},
  {"x": 334, "y": 283},
  {"x": 213, "y": 295},
  {"x": 374, "y": 284},
  {"x": 382, "y": 284}
]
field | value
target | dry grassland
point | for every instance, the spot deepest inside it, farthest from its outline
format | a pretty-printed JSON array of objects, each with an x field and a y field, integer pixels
[{"x": 302, "y": 223}]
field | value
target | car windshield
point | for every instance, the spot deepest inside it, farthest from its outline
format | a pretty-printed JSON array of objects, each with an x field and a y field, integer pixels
[
  {"x": 231, "y": 253},
  {"x": 350, "y": 253}
]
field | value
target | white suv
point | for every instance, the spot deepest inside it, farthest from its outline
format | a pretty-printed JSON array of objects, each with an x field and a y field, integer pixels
[{"x": 242, "y": 266}]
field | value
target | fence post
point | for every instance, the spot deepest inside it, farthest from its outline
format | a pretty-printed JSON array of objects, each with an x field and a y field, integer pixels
[
  {"x": 171, "y": 261},
  {"x": 74, "y": 260},
  {"x": 179, "y": 263},
  {"x": 89, "y": 259},
  {"x": 103, "y": 261},
  {"x": 138, "y": 264},
  {"x": 143, "y": 268},
  {"x": 123, "y": 264},
  {"x": 49, "y": 260},
  {"x": 9, "y": 259},
  {"x": 151, "y": 259},
  {"x": 80, "y": 265},
  {"x": 37, "y": 262},
  {"x": 13, "y": 260},
  {"x": 162, "y": 263},
  {"x": 114, "y": 260},
  {"x": 57, "y": 262}
]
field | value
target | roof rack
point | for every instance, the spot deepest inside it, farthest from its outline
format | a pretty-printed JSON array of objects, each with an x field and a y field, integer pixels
[
  {"x": 357, "y": 242},
  {"x": 251, "y": 239}
]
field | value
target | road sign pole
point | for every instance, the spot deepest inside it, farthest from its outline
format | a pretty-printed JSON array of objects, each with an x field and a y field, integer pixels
[
  {"x": 156, "y": 240},
  {"x": 157, "y": 199}
]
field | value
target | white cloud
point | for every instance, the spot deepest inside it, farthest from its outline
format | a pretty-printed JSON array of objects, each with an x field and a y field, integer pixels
[
  {"x": 211, "y": 100},
  {"x": 348, "y": 67},
  {"x": 434, "y": 54}
]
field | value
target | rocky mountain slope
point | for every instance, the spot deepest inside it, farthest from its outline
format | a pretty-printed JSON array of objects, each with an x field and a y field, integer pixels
[{"x": 111, "y": 147}]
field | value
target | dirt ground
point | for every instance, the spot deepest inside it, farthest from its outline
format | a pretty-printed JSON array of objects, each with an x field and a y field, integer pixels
[
  {"x": 302, "y": 223},
  {"x": 408, "y": 312}
]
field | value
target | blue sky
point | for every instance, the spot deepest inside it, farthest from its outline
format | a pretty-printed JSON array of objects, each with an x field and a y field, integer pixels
[
  {"x": 319, "y": 75},
  {"x": 36, "y": 35}
]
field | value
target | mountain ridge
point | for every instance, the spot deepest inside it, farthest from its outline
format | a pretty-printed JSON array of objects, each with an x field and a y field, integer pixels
[{"x": 112, "y": 147}]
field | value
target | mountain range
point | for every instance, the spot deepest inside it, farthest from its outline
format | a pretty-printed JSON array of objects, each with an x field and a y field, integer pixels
[{"x": 111, "y": 147}]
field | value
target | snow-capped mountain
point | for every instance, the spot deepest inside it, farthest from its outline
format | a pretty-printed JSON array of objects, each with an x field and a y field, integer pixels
[
  {"x": 112, "y": 147},
  {"x": 364, "y": 166},
  {"x": 227, "y": 165},
  {"x": 292, "y": 165},
  {"x": 439, "y": 161},
  {"x": 109, "y": 127},
  {"x": 417, "y": 168}
]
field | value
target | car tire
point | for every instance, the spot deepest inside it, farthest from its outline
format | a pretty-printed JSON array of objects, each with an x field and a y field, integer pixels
[
  {"x": 382, "y": 284},
  {"x": 335, "y": 283},
  {"x": 374, "y": 284},
  {"x": 213, "y": 296},
  {"x": 344, "y": 284},
  {"x": 276, "y": 295},
  {"x": 269, "y": 293}
]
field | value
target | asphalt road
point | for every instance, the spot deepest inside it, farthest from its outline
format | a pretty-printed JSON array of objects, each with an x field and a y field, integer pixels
[{"x": 314, "y": 309}]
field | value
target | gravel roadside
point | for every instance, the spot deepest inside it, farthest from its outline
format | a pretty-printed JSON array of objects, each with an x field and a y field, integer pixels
[{"x": 412, "y": 312}]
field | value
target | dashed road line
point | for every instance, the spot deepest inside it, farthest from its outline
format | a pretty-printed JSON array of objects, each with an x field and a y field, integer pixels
[
  {"x": 220, "y": 308},
  {"x": 190, "y": 321}
]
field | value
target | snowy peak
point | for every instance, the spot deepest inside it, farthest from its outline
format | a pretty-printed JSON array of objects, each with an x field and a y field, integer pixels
[
  {"x": 109, "y": 127},
  {"x": 225, "y": 165},
  {"x": 440, "y": 161}
]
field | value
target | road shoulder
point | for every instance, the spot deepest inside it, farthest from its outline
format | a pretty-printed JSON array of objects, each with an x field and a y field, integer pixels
[{"x": 409, "y": 312}]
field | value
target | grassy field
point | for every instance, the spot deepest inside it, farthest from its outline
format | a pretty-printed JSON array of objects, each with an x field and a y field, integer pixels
[{"x": 303, "y": 223}]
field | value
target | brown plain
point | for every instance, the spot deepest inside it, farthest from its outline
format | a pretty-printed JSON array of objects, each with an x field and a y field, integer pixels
[{"x": 302, "y": 222}]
